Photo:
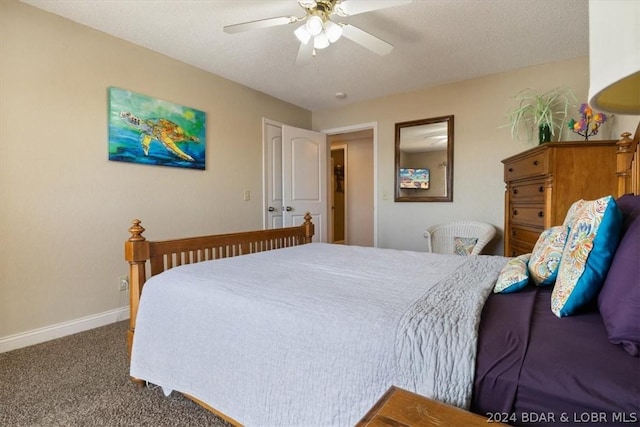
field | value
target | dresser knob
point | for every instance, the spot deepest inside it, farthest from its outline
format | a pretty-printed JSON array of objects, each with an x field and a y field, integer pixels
[
  {"x": 514, "y": 233},
  {"x": 515, "y": 211},
  {"x": 510, "y": 169},
  {"x": 535, "y": 163},
  {"x": 541, "y": 189},
  {"x": 540, "y": 214},
  {"x": 515, "y": 191}
]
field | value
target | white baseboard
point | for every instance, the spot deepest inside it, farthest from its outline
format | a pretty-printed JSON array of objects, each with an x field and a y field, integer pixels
[{"x": 40, "y": 335}]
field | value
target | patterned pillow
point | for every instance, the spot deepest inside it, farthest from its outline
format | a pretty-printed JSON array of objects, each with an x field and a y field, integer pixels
[
  {"x": 587, "y": 256},
  {"x": 513, "y": 276},
  {"x": 464, "y": 245},
  {"x": 546, "y": 255},
  {"x": 569, "y": 219}
]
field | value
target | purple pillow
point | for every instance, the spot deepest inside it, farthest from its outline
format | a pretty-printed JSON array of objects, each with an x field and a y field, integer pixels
[{"x": 619, "y": 299}]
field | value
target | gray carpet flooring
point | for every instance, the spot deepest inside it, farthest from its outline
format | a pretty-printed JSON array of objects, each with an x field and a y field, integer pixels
[{"x": 83, "y": 380}]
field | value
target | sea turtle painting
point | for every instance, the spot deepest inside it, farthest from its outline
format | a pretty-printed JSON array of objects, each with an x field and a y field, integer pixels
[{"x": 164, "y": 131}]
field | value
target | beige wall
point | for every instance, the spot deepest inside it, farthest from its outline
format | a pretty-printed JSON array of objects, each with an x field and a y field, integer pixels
[
  {"x": 479, "y": 106},
  {"x": 64, "y": 208}
]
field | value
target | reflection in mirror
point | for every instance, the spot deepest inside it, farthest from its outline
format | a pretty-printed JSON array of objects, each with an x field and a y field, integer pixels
[{"x": 424, "y": 160}]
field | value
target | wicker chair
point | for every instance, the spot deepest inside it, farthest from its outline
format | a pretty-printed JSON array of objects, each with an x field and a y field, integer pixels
[{"x": 440, "y": 238}]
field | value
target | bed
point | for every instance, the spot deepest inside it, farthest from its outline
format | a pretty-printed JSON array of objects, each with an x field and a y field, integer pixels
[{"x": 300, "y": 333}]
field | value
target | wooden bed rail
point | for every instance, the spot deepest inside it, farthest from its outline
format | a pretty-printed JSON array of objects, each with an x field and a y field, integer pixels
[{"x": 144, "y": 255}]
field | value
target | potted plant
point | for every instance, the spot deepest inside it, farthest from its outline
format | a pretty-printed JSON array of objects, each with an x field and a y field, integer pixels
[{"x": 545, "y": 112}]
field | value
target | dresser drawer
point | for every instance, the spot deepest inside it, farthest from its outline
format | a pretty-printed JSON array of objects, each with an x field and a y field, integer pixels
[
  {"x": 518, "y": 249},
  {"x": 534, "y": 164},
  {"x": 523, "y": 236},
  {"x": 530, "y": 191},
  {"x": 531, "y": 215}
]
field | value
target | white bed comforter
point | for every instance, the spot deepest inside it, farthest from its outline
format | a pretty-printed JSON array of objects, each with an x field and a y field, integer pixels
[{"x": 313, "y": 335}]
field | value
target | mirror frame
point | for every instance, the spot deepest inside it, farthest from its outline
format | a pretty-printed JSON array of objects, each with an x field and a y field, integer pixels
[{"x": 448, "y": 197}]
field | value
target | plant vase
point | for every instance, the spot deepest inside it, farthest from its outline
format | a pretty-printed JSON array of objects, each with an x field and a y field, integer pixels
[{"x": 544, "y": 133}]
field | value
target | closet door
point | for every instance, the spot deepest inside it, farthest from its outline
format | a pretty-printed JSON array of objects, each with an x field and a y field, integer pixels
[
  {"x": 295, "y": 177},
  {"x": 272, "y": 164},
  {"x": 304, "y": 178}
]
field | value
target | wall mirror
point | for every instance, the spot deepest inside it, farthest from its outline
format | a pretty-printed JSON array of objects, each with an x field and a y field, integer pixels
[{"x": 424, "y": 160}]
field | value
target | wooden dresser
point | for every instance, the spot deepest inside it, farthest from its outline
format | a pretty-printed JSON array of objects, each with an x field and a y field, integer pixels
[{"x": 543, "y": 182}]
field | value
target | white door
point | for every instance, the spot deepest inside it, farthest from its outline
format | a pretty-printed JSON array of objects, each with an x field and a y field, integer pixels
[
  {"x": 295, "y": 162},
  {"x": 272, "y": 158},
  {"x": 304, "y": 178}
]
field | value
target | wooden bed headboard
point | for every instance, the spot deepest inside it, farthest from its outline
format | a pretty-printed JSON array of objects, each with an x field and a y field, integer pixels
[
  {"x": 155, "y": 257},
  {"x": 628, "y": 168}
]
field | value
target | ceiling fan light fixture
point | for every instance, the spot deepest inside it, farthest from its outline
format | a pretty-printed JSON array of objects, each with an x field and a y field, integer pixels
[
  {"x": 314, "y": 25},
  {"x": 317, "y": 24},
  {"x": 321, "y": 41},
  {"x": 302, "y": 34},
  {"x": 333, "y": 31}
]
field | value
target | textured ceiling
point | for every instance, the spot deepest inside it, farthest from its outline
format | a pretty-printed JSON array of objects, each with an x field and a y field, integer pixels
[{"x": 436, "y": 41}]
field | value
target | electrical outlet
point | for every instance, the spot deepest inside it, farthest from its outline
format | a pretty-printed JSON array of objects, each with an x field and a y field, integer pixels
[
  {"x": 123, "y": 283},
  {"x": 247, "y": 195}
]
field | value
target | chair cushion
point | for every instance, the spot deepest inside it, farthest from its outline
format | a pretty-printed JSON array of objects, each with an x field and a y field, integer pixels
[
  {"x": 464, "y": 245},
  {"x": 587, "y": 256},
  {"x": 619, "y": 299},
  {"x": 514, "y": 276},
  {"x": 546, "y": 255}
]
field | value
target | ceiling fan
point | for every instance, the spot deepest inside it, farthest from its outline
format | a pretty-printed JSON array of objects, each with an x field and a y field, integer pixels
[{"x": 319, "y": 31}]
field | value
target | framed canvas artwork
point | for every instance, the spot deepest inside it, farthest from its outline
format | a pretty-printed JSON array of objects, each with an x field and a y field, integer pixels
[{"x": 151, "y": 131}]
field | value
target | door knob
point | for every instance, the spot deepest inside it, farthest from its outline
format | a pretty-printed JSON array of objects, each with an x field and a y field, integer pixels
[
  {"x": 288, "y": 208},
  {"x": 271, "y": 209}
]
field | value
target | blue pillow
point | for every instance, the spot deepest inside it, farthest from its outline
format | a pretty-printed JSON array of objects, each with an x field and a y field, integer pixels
[
  {"x": 514, "y": 276},
  {"x": 586, "y": 258}
]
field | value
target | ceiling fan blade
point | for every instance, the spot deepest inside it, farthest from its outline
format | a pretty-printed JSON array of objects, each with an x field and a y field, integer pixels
[
  {"x": 305, "y": 53},
  {"x": 354, "y": 7},
  {"x": 367, "y": 40},
  {"x": 261, "y": 23}
]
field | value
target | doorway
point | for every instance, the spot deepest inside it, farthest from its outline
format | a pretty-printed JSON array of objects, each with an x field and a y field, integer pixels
[
  {"x": 339, "y": 193},
  {"x": 353, "y": 194}
]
